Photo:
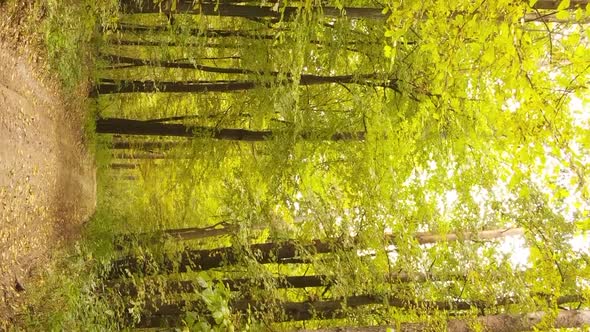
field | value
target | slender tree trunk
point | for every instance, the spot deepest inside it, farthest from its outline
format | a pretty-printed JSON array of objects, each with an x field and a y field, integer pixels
[
  {"x": 136, "y": 127},
  {"x": 107, "y": 86},
  {"x": 189, "y": 286},
  {"x": 289, "y": 13},
  {"x": 182, "y": 234},
  {"x": 333, "y": 309},
  {"x": 179, "y": 65},
  {"x": 311, "y": 281},
  {"x": 118, "y": 63},
  {"x": 200, "y": 260},
  {"x": 230, "y": 10},
  {"x": 368, "y": 79},
  {"x": 552, "y": 18},
  {"x": 553, "y": 4},
  {"x": 271, "y": 252},
  {"x": 157, "y": 43},
  {"x": 128, "y": 177},
  {"x": 208, "y": 33},
  {"x": 222, "y": 33},
  {"x": 123, "y": 166},
  {"x": 541, "y": 4},
  {"x": 565, "y": 319},
  {"x": 148, "y": 155},
  {"x": 146, "y": 146},
  {"x": 191, "y": 233}
]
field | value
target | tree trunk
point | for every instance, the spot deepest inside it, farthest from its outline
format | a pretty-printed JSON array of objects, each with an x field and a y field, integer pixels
[
  {"x": 311, "y": 281},
  {"x": 230, "y": 10},
  {"x": 200, "y": 260},
  {"x": 208, "y": 33},
  {"x": 182, "y": 234},
  {"x": 541, "y": 4},
  {"x": 146, "y": 145},
  {"x": 552, "y": 4},
  {"x": 221, "y": 33},
  {"x": 566, "y": 319},
  {"x": 191, "y": 233},
  {"x": 189, "y": 286},
  {"x": 333, "y": 309},
  {"x": 367, "y": 79},
  {"x": 107, "y": 86},
  {"x": 180, "y": 65},
  {"x": 157, "y": 43},
  {"x": 123, "y": 166},
  {"x": 137, "y": 127},
  {"x": 271, "y": 252},
  {"x": 149, "y": 155}
]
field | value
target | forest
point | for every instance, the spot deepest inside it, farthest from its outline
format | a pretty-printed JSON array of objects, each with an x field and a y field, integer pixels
[{"x": 327, "y": 165}]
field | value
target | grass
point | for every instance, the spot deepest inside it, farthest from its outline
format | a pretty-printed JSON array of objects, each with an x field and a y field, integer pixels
[
  {"x": 71, "y": 34},
  {"x": 68, "y": 297},
  {"x": 62, "y": 35}
]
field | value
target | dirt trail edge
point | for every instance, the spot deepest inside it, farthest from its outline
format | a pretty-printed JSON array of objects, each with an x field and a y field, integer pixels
[{"x": 47, "y": 178}]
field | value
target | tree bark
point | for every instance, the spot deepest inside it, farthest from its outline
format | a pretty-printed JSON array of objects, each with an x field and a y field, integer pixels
[
  {"x": 200, "y": 260},
  {"x": 189, "y": 286},
  {"x": 123, "y": 166},
  {"x": 146, "y": 145},
  {"x": 157, "y": 43},
  {"x": 107, "y": 86},
  {"x": 493, "y": 323},
  {"x": 271, "y": 252},
  {"x": 148, "y": 155},
  {"x": 367, "y": 79},
  {"x": 334, "y": 309},
  {"x": 180, "y": 65},
  {"x": 209, "y": 33},
  {"x": 553, "y": 4},
  {"x": 220, "y": 33},
  {"x": 246, "y": 11},
  {"x": 311, "y": 281},
  {"x": 137, "y": 127},
  {"x": 182, "y": 234}
]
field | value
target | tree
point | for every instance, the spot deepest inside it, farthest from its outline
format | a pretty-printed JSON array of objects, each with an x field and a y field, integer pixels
[
  {"x": 462, "y": 125},
  {"x": 286, "y": 13},
  {"x": 501, "y": 323},
  {"x": 288, "y": 252},
  {"x": 111, "y": 86},
  {"x": 136, "y": 127},
  {"x": 289, "y": 13},
  {"x": 308, "y": 310}
]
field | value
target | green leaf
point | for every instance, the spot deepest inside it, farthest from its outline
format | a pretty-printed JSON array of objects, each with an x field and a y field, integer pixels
[
  {"x": 562, "y": 15},
  {"x": 387, "y": 50},
  {"x": 563, "y": 5}
]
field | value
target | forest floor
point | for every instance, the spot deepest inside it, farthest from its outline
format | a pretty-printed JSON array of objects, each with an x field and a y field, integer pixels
[{"x": 47, "y": 175}]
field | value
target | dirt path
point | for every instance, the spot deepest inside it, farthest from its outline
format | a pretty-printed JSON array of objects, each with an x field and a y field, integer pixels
[{"x": 47, "y": 178}]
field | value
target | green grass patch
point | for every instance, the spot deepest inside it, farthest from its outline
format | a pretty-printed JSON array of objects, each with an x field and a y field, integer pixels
[
  {"x": 71, "y": 32},
  {"x": 68, "y": 296}
]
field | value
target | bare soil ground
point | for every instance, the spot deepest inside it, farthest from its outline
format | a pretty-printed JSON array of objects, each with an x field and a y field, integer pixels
[{"x": 47, "y": 177}]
